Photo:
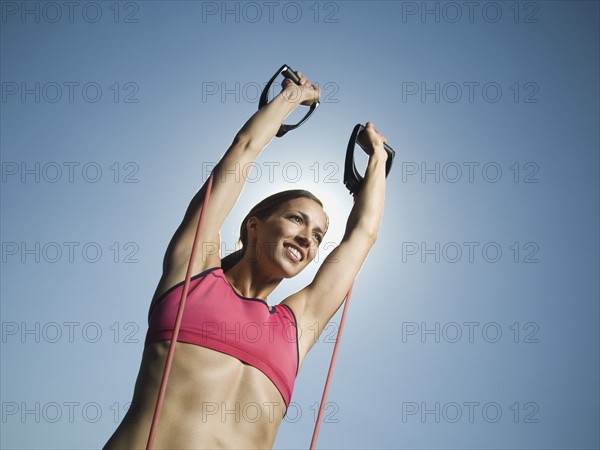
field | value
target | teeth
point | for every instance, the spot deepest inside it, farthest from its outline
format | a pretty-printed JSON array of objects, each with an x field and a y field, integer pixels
[{"x": 295, "y": 252}]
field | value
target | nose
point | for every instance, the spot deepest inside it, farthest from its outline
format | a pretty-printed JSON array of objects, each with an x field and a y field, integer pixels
[{"x": 302, "y": 239}]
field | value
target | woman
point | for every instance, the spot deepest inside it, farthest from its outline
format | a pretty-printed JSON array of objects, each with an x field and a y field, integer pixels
[{"x": 237, "y": 357}]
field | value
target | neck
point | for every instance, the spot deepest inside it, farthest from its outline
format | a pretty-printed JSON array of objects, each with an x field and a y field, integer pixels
[{"x": 251, "y": 282}]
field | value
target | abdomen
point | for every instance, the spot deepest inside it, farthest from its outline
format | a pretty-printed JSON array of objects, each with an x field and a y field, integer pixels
[{"x": 212, "y": 400}]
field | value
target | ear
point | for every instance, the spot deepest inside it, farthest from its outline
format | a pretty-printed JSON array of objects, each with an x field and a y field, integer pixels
[{"x": 252, "y": 224}]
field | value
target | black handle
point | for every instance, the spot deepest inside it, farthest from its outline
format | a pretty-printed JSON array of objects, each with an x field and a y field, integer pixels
[
  {"x": 287, "y": 72},
  {"x": 352, "y": 179}
]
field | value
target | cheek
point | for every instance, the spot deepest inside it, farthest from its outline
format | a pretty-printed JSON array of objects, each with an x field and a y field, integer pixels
[
  {"x": 275, "y": 231},
  {"x": 286, "y": 229},
  {"x": 312, "y": 252}
]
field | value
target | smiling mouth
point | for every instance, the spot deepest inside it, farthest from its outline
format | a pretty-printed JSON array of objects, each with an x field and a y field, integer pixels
[{"x": 293, "y": 253}]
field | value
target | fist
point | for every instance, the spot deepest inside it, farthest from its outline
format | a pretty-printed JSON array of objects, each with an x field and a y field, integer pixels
[
  {"x": 371, "y": 140},
  {"x": 305, "y": 92}
]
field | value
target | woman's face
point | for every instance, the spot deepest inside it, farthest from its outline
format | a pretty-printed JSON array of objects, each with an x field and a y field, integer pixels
[{"x": 288, "y": 241}]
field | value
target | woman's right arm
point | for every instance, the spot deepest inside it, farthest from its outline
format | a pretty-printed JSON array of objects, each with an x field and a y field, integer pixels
[{"x": 229, "y": 178}]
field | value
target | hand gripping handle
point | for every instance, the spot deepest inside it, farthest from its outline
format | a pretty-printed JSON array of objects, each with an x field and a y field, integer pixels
[
  {"x": 352, "y": 179},
  {"x": 287, "y": 72}
]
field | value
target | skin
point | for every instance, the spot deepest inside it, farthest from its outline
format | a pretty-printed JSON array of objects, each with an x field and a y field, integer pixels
[{"x": 214, "y": 400}]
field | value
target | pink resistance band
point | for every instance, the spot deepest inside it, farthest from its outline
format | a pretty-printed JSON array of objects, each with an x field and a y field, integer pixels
[
  {"x": 167, "y": 370},
  {"x": 186, "y": 285},
  {"x": 313, "y": 442}
]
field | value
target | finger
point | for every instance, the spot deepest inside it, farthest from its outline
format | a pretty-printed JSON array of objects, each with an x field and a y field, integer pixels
[{"x": 301, "y": 77}]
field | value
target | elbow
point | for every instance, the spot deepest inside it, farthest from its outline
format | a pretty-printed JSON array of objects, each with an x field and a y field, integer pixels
[
  {"x": 243, "y": 142},
  {"x": 371, "y": 236},
  {"x": 366, "y": 234}
]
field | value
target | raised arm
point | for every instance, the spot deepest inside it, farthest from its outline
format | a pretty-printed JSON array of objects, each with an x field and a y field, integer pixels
[
  {"x": 316, "y": 304},
  {"x": 229, "y": 177}
]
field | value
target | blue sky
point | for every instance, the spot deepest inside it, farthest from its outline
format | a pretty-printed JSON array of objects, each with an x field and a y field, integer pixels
[{"x": 474, "y": 322}]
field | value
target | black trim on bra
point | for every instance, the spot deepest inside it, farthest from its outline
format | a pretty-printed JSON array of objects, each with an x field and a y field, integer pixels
[
  {"x": 172, "y": 288},
  {"x": 253, "y": 299},
  {"x": 297, "y": 342},
  {"x": 201, "y": 274}
]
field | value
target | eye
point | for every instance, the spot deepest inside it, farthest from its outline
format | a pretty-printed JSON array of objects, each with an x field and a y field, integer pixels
[
  {"x": 318, "y": 238},
  {"x": 297, "y": 218}
]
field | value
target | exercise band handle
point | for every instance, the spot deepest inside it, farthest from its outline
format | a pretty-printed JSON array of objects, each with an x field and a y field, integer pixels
[
  {"x": 287, "y": 72},
  {"x": 352, "y": 179}
]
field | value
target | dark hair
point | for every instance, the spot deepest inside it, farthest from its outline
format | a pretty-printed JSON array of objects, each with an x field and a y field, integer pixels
[{"x": 263, "y": 210}]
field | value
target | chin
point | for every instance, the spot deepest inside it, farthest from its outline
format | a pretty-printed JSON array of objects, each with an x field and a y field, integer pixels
[
  {"x": 289, "y": 272},
  {"x": 298, "y": 272},
  {"x": 285, "y": 268},
  {"x": 291, "y": 269}
]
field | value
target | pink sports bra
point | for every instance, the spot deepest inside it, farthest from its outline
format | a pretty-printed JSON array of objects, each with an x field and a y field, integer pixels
[{"x": 218, "y": 318}]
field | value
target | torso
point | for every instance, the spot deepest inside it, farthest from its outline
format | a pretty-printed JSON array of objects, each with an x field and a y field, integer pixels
[{"x": 213, "y": 400}]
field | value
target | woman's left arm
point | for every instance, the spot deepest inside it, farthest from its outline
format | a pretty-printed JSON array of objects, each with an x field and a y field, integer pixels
[{"x": 319, "y": 301}]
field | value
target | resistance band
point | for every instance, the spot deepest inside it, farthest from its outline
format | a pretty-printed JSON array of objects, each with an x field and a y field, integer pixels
[
  {"x": 287, "y": 72},
  {"x": 167, "y": 371},
  {"x": 353, "y": 181},
  {"x": 313, "y": 441}
]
